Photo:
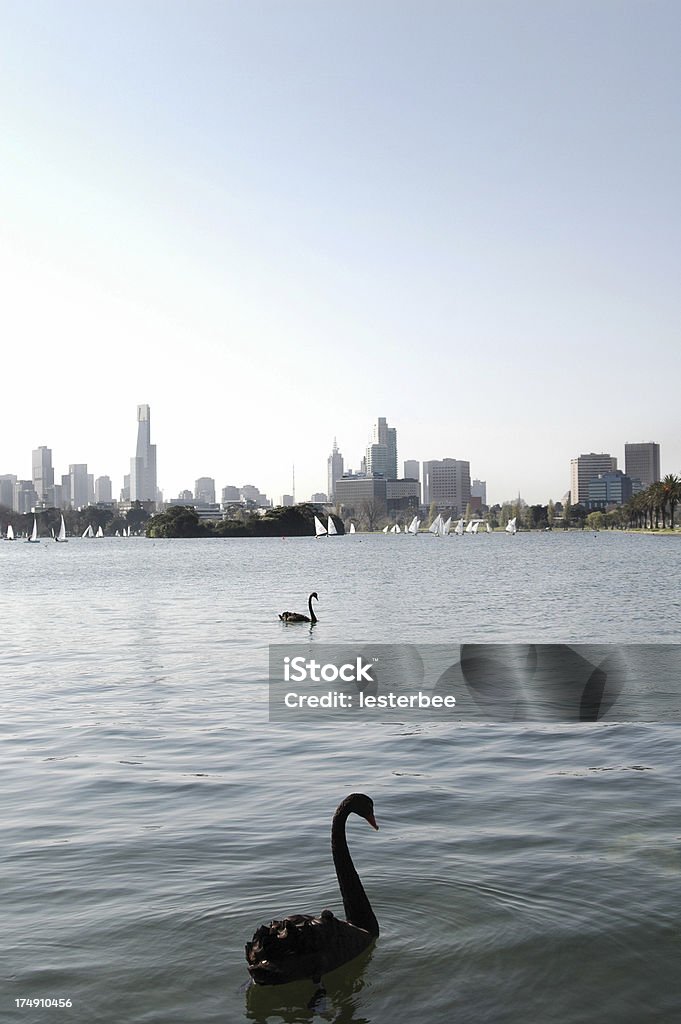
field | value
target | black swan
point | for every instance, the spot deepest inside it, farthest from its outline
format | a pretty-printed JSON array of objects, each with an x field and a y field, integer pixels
[
  {"x": 298, "y": 616},
  {"x": 302, "y": 946}
]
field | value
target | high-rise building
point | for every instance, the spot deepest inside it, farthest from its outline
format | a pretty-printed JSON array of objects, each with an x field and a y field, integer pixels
[
  {"x": 335, "y": 469},
  {"x": 204, "y": 490},
  {"x": 7, "y": 483},
  {"x": 25, "y": 497},
  {"x": 143, "y": 464},
  {"x": 642, "y": 462},
  {"x": 230, "y": 493},
  {"x": 103, "y": 491},
  {"x": 447, "y": 482},
  {"x": 381, "y": 456},
  {"x": 585, "y": 468},
  {"x": 479, "y": 490},
  {"x": 43, "y": 474},
  {"x": 79, "y": 485},
  {"x": 412, "y": 469}
]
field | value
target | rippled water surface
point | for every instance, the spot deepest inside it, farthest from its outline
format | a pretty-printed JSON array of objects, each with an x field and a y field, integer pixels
[{"x": 153, "y": 817}]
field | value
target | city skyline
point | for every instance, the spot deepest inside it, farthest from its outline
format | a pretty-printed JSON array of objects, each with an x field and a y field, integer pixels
[
  {"x": 80, "y": 482},
  {"x": 272, "y": 228}
]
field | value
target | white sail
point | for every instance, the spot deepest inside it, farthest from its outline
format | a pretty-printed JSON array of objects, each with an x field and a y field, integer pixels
[
  {"x": 447, "y": 527},
  {"x": 435, "y": 525},
  {"x": 475, "y": 527},
  {"x": 395, "y": 529},
  {"x": 100, "y": 532},
  {"x": 469, "y": 526},
  {"x": 510, "y": 525},
  {"x": 10, "y": 532},
  {"x": 458, "y": 529},
  {"x": 88, "y": 531},
  {"x": 487, "y": 528},
  {"x": 386, "y": 528},
  {"x": 413, "y": 526},
  {"x": 33, "y": 539},
  {"x": 61, "y": 536},
  {"x": 418, "y": 525},
  {"x": 331, "y": 527},
  {"x": 319, "y": 528},
  {"x": 352, "y": 528}
]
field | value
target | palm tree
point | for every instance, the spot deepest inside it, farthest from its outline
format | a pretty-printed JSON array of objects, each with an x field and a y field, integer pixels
[{"x": 672, "y": 491}]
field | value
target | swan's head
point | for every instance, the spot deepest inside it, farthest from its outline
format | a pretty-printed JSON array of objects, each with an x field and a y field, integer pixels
[
  {"x": 313, "y": 594},
  {"x": 358, "y": 803}
]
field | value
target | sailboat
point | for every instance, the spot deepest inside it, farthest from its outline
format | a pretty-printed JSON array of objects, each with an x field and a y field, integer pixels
[
  {"x": 487, "y": 528},
  {"x": 476, "y": 525},
  {"x": 319, "y": 528},
  {"x": 469, "y": 526},
  {"x": 436, "y": 526},
  {"x": 33, "y": 539},
  {"x": 88, "y": 532},
  {"x": 352, "y": 528},
  {"x": 386, "y": 528},
  {"x": 413, "y": 527},
  {"x": 458, "y": 529},
  {"x": 10, "y": 532},
  {"x": 510, "y": 525},
  {"x": 100, "y": 532},
  {"x": 447, "y": 527},
  {"x": 396, "y": 528},
  {"x": 61, "y": 536},
  {"x": 331, "y": 530}
]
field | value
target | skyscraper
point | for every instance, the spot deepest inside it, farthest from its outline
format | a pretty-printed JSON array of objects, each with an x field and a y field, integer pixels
[
  {"x": 143, "y": 465},
  {"x": 43, "y": 474},
  {"x": 642, "y": 462},
  {"x": 335, "y": 469},
  {"x": 447, "y": 482},
  {"x": 204, "y": 490},
  {"x": 585, "y": 468},
  {"x": 381, "y": 457},
  {"x": 79, "y": 485}
]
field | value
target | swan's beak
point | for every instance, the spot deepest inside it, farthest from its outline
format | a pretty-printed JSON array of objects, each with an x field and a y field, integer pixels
[{"x": 372, "y": 822}]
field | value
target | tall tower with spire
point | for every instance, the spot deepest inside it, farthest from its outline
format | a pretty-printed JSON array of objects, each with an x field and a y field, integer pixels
[
  {"x": 335, "y": 470},
  {"x": 143, "y": 464}
]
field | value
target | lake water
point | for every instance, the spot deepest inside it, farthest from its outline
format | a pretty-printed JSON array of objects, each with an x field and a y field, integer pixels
[{"x": 153, "y": 816}]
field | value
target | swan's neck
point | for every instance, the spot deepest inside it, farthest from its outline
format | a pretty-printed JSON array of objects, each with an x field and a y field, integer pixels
[
  {"x": 357, "y": 907},
  {"x": 313, "y": 617}
]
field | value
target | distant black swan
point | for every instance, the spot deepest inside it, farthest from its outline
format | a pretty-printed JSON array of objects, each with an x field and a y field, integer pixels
[
  {"x": 298, "y": 616},
  {"x": 302, "y": 946}
]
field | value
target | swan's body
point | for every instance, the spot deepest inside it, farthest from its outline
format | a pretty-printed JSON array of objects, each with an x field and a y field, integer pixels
[
  {"x": 302, "y": 946},
  {"x": 298, "y": 616}
]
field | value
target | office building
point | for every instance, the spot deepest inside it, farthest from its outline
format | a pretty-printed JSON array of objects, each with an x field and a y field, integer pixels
[
  {"x": 412, "y": 469},
  {"x": 143, "y": 465},
  {"x": 585, "y": 468},
  {"x": 7, "y": 482},
  {"x": 353, "y": 492},
  {"x": 204, "y": 490},
  {"x": 319, "y": 498},
  {"x": 103, "y": 490},
  {"x": 78, "y": 485},
  {"x": 381, "y": 456},
  {"x": 286, "y": 500},
  {"x": 25, "y": 497},
  {"x": 43, "y": 474},
  {"x": 642, "y": 462},
  {"x": 479, "y": 490},
  {"x": 402, "y": 494},
  {"x": 608, "y": 489},
  {"x": 230, "y": 494},
  {"x": 334, "y": 465},
  {"x": 447, "y": 482}
]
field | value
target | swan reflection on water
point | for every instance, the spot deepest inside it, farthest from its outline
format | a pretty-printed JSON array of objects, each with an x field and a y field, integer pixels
[{"x": 303, "y": 1001}]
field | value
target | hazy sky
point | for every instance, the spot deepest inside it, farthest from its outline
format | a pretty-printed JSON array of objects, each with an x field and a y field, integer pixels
[{"x": 276, "y": 221}]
